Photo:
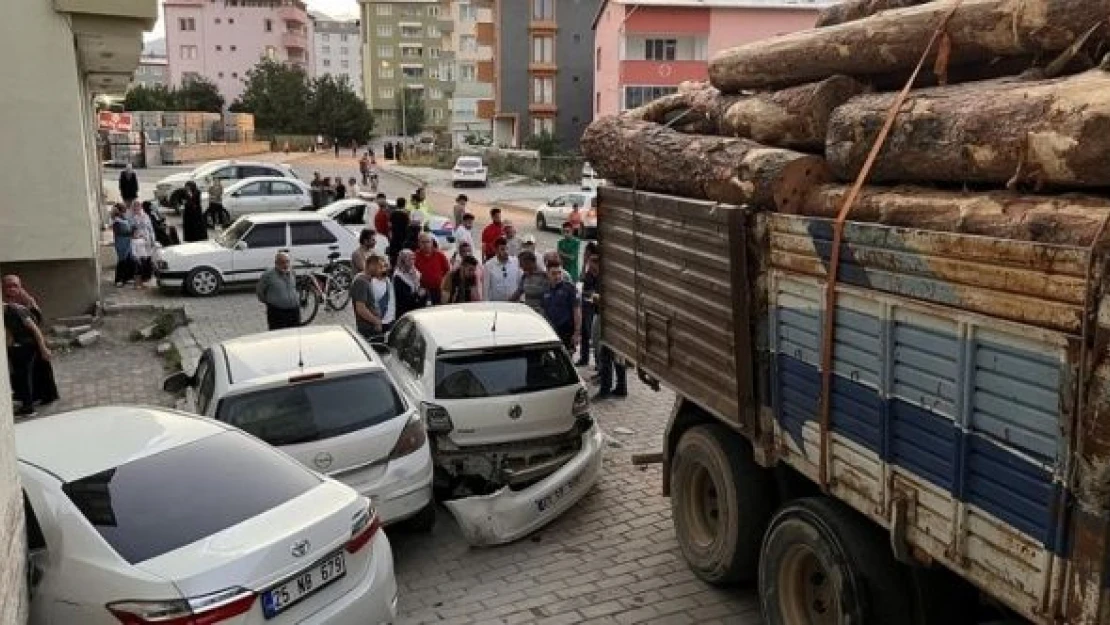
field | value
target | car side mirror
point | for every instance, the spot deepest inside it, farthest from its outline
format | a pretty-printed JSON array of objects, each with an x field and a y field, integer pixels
[
  {"x": 177, "y": 382},
  {"x": 235, "y": 194},
  {"x": 381, "y": 348},
  {"x": 241, "y": 245}
]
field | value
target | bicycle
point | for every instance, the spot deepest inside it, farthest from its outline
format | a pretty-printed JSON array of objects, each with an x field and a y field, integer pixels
[{"x": 330, "y": 284}]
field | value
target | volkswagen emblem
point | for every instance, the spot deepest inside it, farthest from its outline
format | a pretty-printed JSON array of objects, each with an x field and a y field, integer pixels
[
  {"x": 322, "y": 460},
  {"x": 300, "y": 548},
  {"x": 515, "y": 412}
]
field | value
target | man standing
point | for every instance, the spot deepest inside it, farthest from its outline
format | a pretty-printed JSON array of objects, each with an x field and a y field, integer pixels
[
  {"x": 432, "y": 265},
  {"x": 516, "y": 246},
  {"x": 590, "y": 284},
  {"x": 533, "y": 282},
  {"x": 366, "y": 243},
  {"x": 493, "y": 231},
  {"x": 419, "y": 205},
  {"x": 465, "y": 230},
  {"x": 45, "y": 388},
  {"x": 460, "y": 286},
  {"x": 26, "y": 346},
  {"x": 364, "y": 169},
  {"x": 561, "y": 307},
  {"x": 398, "y": 230},
  {"x": 570, "y": 247},
  {"x": 128, "y": 185},
  {"x": 458, "y": 211},
  {"x": 501, "y": 275},
  {"x": 217, "y": 214},
  {"x": 373, "y": 299},
  {"x": 277, "y": 289},
  {"x": 381, "y": 216}
]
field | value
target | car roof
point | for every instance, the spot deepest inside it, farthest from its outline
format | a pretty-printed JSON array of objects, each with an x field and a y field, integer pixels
[
  {"x": 471, "y": 326},
  {"x": 265, "y": 357},
  {"x": 267, "y": 217},
  {"x": 80, "y": 443},
  {"x": 252, "y": 179}
]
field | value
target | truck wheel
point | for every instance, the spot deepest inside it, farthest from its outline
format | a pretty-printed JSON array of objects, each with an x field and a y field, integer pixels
[
  {"x": 721, "y": 501},
  {"x": 823, "y": 564}
]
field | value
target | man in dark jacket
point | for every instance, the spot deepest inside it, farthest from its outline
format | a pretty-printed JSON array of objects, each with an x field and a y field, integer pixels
[
  {"x": 128, "y": 185},
  {"x": 398, "y": 230}
]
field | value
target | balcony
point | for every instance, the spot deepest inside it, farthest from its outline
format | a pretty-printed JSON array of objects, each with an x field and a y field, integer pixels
[
  {"x": 662, "y": 72},
  {"x": 293, "y": 12},
  {"x": 293, "y": 39},
  {"x": 543, "y": 108},
  {"x": 446, "y": 25}
]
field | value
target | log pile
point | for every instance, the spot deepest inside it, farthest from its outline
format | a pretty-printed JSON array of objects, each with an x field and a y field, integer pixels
[{"x": 1008, "y": 121}]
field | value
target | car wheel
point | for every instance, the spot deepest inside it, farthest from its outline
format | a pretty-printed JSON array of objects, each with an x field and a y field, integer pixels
[
  {"x": 541, "y": 222},
  {"x": 203, "y": 282}
]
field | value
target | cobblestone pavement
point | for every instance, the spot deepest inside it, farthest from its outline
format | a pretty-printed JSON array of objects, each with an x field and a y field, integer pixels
[{"x": 610, "y": 559}]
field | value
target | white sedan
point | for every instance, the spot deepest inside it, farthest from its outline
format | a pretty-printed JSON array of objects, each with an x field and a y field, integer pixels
[
  {"x": 264, "y": 195},
  {"x": 469, "y": 170},
  {"x": 551, "y": 214},
  {"x": 145, "y": 515},
  {"x": 358, "y": 213}
]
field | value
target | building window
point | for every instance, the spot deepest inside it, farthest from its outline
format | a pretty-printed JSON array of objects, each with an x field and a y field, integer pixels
[
  {"x": 433, "y": 11},
  {"x": 542, "y": 125},
  {"x": 234, "y": 48},
  {"x": 543, "y": 49},
  {"x": 412, "y": 32},
  {"x": 326, "y": 49},
  {"x": 384, "y": 9},
  {"x": 344, "y": 50},
  {"x": 433, "y": 30},
  {"x": 271, "y": 52},
  {"x": 543, "y": 90},
  {"x": 412, "y": 52},
  {"x": 434, "y": 53},
  {"x": 543, "y": 10},
  {"x": 188, "y": 52},
  {"x": 597, "y": 102},
  {"x": 268, "y": 25},
  {"x": 217, "y": 20},
  {"x": 385, "y": 52},
  {"x": 343, "y": 38},
  {"x": 467, "y": 13},
  {"x": 435, "y": 93},
  {"x": 325, "y": 37},
  {"x": 188, "y": 77},
  {"x": 639, "y": 95},
  {"x": 187, "y": 23},
  {"x": 219, "y": 48},
  {"x": 385, "y": 30},
  {"x": 437, "y": 114},
  {"x": 467, "y": 72},
  {"x": 660, "y": 49},
  {"x": 412, "y": 71},
  {"x": 468, "y": 43},
  {"x": 234, "y": 74},
  {"x": 445, "y": 72},
  {"x": 231, "y": 20},
  {"x": 327, "y": 62},
  {"x": 386, "y": 93},
  {"x": 345, "y": 64},
  {"x": 597, "y": 57},
  {"x": 385, "y": 72},
  {"x": 221, "y": 74}
]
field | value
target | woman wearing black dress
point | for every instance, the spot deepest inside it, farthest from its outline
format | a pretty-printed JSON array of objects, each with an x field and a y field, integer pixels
[{"x": 192, "y": 216}]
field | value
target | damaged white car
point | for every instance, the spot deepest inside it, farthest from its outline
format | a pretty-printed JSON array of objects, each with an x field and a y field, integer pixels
[{"x": 513, "y": 442}]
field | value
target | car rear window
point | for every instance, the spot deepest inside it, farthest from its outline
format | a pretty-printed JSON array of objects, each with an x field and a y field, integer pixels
[
  {"x": 311, "y": 411},
  {"x": 469, "y": 162},
  {"x": 153, "y": 505},
  {"x": 463, "y": 375}
]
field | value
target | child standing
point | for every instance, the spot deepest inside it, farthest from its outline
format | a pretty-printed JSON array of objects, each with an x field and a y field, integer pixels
[{"x": 141, "y": 253}]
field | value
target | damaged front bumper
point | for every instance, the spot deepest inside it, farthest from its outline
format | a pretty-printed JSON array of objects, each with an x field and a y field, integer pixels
[{"x": 508, "y": 515}]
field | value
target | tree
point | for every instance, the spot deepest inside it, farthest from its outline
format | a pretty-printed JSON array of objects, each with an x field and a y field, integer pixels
[
  {"x": 153, "y": 98},
  {"x": 278, "y": 95},
  {"x": 199, "y": 94},
  {"x": 412, "y": 112},
  {"x": 337, "y": 111},
  {"x": 545, "y": 143}
]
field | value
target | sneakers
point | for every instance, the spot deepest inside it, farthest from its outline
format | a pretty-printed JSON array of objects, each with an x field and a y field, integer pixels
[{"x": 601, "y": 396}]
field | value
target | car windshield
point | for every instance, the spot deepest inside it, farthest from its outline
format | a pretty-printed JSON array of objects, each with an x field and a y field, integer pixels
[
  {"x": 228, "y": 238},
  {"x": 205, "y": 169},
  {"x": 469, "y": 162},
  {"x": 153, "y": 505},
  {"x": 493, "y": 373},
  {"x": 312, "y": 411}
]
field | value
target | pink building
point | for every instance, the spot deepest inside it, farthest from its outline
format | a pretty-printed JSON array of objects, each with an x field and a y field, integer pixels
[
  {"x": 222, "y": 40},
  {"x": 643, "y": 49}
]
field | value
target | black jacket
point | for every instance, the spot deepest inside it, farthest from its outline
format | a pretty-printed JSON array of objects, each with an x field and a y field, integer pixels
[{"x": 128, "y": 185}]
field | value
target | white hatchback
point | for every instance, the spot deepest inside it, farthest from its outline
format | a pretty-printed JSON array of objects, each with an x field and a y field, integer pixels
[
  {"x": 144, "y": 515},
  {"x": 515, "y": 445},
  {"x": 321, "y": 395},
  {"x": 469, "y": 170},
  {"x": 268, "y": 194}
]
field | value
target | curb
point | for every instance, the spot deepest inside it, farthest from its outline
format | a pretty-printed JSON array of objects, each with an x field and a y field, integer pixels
[
  {"x": 409, "y": 178},
  {"x": 187, "y": 347}
]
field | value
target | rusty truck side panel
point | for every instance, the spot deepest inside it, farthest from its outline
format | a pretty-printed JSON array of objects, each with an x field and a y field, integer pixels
[{"x": 969, "y": 378}]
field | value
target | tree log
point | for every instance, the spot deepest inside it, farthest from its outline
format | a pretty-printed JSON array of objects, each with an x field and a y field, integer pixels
[
  {"x": 893, "y": 41},
  {"x": 852, "y": 10},
  {"x": 650, "y": 157},
  {"x": 1048, "y": 133},
  {"x": 1069, "y": 219}
]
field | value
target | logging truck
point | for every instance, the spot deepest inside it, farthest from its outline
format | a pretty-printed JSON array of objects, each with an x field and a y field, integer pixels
[{"x": 933, "y": 449}]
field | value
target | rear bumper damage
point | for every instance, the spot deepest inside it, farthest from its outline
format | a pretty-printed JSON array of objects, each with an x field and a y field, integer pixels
[{"x": 508, "y": 515}]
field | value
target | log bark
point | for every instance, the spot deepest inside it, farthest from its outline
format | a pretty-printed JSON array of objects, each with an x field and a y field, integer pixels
[
  {"x": 646, "y": 156},
  {"x": 852, "y": 10},
  {"x": 893, "y": 41},
  {"x": 1051, "y": 133},
  {"x": 1069, "y": 219}
]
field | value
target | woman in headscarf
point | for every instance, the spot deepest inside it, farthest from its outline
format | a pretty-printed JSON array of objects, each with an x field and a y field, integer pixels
[
  {"x": 143, "y": 223},
  {"x": 121, "y": 239},
  {"x": 192, "y": 216},
  {"x": 406, "y": 284}
]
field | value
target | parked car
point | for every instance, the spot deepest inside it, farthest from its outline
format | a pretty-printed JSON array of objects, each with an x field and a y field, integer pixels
[
  {"x": 246, "y": 249},
  {"x": 358, "y": 213},
  {"x": 265, "y": 194},
  {"x": 469, "y": 170},
  {"x": 551, "y": 214},
  {"x": 170, "y": 190},
  {"x": 590, "y": 179},
  {"x": 321, "y": 395},
  {"x": 144, "y": 515},
  {"x": 514, "y": 443}
]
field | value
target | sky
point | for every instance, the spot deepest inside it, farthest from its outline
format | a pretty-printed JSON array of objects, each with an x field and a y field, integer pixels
[{"x": 334, "y": 8}]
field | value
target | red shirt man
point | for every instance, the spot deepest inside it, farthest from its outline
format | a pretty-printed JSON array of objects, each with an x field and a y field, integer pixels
[
  {"x": 381, "y": 217},
  {"x": 491, "y": 233},
  {"x": 432, "y": 265}
]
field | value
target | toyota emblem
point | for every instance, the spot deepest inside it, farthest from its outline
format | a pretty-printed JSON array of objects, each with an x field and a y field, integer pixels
[
  {"x": 322, "y": 460},
  {"x": 515, "y": 411},
  {"x": 300, "y": 548}
]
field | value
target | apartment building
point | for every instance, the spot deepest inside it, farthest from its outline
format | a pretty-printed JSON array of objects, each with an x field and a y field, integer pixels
[
  {"x": 337, "y": 49},
  {"x": 407, "y": 57},
  {"x": 222, "y": 40},
  {"x": 544, "y": 69},
  {"x": 643, "y": 49},
  {"x": 473, "y": 41},
  {"x": 152, "y": 71}
]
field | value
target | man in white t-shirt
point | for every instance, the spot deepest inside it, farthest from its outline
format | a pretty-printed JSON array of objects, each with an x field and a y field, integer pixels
[
  {"x": 501, "y": 274},
  {"x": 465, "y": 230}
]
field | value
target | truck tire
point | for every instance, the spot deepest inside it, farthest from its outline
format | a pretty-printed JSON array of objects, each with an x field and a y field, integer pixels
[
  {"x": 721, "y": 501},
  {"x": 822, "y": 563}
]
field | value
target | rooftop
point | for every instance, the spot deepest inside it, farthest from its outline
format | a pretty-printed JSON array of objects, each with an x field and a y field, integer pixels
[{"x": 483, "y": 325}]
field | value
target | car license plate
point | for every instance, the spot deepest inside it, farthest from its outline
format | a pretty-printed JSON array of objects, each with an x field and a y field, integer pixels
[
  {"x": 549, "y": 500},
  {"x": 279, "y": 598}
]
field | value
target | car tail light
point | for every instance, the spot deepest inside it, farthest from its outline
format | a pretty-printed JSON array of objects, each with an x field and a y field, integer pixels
[
  {"x": 436, "y": 418},
  {"x": 412, "y": 438},
  {"x": 581, "y": 403},
  {"x": 204, "y": 610},
  {"x": 363, "y": 528}
]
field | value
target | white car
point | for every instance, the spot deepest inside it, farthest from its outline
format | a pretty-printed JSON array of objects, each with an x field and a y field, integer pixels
[
  {"x": 321, "y": 395},
  {"x": 590, "y": 179},
  {"x": 169, "y": 190},
  {"x": 552, "y": 213},
  {"x": 265, "y": 195},
  {"x": 514, "y": 443},
  {"x": 359, "y": 213},
  {"x": 246, "y": 249},
  {"x": 469, "y": 170},
  {"x": 145, "y": 515}
]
